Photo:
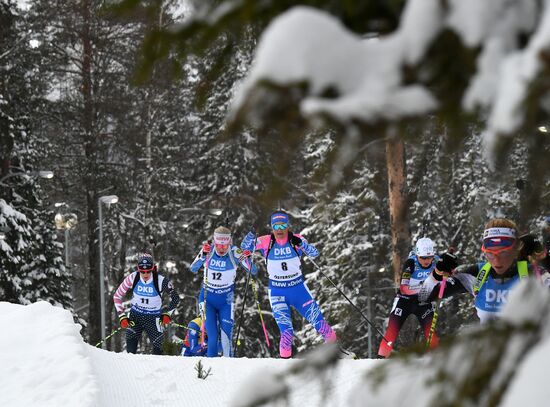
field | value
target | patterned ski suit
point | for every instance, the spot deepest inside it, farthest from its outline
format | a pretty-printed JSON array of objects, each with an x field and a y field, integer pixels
[
  {"x": 146, "y": 308},
  {"x": 287, "y": 287}
]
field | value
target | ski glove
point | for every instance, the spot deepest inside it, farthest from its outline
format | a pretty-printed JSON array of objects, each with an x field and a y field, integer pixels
[
  {"x": 447, "y": 263},
  {"x": 124, "y": 321},
  {"x": 165, "y": 319},
  {"x": 531, "y": 245},
  {"x": 206, "y": 247},
  {"x": 295, "y": 240}
]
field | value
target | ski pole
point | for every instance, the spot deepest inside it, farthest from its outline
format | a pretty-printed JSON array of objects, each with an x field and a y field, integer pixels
[
  {"x": 436, "y": 310},
  {"x": 112, "y": 334},
  {"x": 185, "y": 327},
  {"x": 237, "y": 340},
  {"x": 255, "y": 291},
  {"x": 351, "y": 303},
  {"x": 205, "y": 285}
]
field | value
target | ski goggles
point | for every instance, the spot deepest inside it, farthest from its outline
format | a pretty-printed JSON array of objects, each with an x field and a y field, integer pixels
[
  {"x": 502, "y": 253},
  {"x": 221, "y": 247},
  {"x": 280, "y": 226}
]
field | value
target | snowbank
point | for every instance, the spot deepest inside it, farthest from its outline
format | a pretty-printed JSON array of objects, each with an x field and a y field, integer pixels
[{"x": 43, "y": 358}]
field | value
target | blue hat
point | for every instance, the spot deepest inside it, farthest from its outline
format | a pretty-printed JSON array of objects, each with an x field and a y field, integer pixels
[{"x": 279, "y": 217}]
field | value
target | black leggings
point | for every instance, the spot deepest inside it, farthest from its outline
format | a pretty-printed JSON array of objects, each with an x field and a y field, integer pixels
[{"x": 149, "y": 323}]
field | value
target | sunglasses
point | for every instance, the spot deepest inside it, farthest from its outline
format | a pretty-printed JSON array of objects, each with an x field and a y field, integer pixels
[
  {"x": 280, "y": 226},
  {"x": 426, "y": 257},
  {"x": 145, "y": 271}
]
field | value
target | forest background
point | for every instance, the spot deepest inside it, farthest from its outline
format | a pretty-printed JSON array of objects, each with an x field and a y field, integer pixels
[{"x": 125, "y": 102}]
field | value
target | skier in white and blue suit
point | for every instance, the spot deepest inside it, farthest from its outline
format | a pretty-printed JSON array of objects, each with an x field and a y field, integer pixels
[{"x": 221, "y": 270}]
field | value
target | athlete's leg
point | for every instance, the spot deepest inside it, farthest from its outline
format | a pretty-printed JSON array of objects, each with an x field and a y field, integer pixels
[
  {"x": 283, "y": 318},
  {"x": 226, "y": 325},
  {"x": 154, "y": 331},
  {"x": 398, "y": 315},
  {"x": 300, "y": 298},
  {"x": 425, "y": 313},
  {"x": 133, "y": 333},
  {"x": 211, "y": 326}
]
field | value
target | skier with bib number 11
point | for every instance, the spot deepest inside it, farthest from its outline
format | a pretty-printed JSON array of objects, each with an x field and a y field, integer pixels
[{"x": 146, "y": 313}]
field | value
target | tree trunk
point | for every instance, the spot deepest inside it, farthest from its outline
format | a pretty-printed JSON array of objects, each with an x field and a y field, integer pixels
[{"x": 399, "y": 210}]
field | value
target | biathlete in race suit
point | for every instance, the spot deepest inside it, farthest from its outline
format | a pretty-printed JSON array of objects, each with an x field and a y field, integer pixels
[
  {"x": 416, "y": 269},
  {"x": 221, "y": 270},
  {"x": 146, "y": 313},
  {"x": 192, "y": 344},
  {"x": 282, "y": 250},
  {"x": 490, "y": 282}
]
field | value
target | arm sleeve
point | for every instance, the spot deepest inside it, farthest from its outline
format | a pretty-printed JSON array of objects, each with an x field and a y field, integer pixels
[
  {"x": 309, "y": 250},
  {"x": 122, "y": 290},
  {"x": 197, "y": 263},
  {"x": 244, "y": 261},
  {"x": 261, "y": 244},
  {"x": 168, "y": 287},
  {"x": 248, "y": 242},
  {"x": 404, "y": 284},
  {"x": 461, "y": 282}
]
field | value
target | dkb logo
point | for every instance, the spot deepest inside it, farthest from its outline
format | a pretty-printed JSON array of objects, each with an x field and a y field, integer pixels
[
  {"x": 499, "y": 296},
  {"x": 217, "y": 263},
  {"x": 142, "y": 289},
  {"x": 283, "y": 251}
]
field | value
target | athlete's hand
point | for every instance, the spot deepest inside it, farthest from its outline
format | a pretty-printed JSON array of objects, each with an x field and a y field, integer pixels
[
  {"x": 206, "y": 247},
  {"x": 295, "y": 240},
  {"x": 447, "y": 264},
  {"x": 165, "y": 319},
  {"x": 124, "y": 321}
]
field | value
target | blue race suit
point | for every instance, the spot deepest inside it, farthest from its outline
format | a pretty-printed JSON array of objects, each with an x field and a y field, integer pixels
[
  {"x": 221, "y": 272},
  {"x": 287, "y": 287}
]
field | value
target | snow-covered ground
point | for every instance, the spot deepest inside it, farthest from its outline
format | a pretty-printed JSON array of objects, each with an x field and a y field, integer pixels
[{"x": 45, "y": 362}]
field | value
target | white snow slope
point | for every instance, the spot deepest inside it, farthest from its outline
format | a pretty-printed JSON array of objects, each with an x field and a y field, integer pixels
[{"x": 45, "y": 362}]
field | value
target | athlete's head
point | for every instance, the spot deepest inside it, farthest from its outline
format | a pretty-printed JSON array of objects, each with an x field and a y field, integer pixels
[
  {"x": 222, "y": 240},
  {"x": 146, "y": 265},
  {"x": 425, "y": 251},
  {"x": 501, "y": 244},
  {"x": 279, "y": 224}
]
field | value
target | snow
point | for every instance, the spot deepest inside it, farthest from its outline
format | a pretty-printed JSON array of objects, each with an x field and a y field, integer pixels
[{"x": 44, "y": 362}]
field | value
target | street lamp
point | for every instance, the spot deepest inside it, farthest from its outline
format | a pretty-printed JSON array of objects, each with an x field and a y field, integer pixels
[
  {"x": 107, "y": 200},
  {"x": 37, "y": 174},
  {"x": 65, "y": 222}
]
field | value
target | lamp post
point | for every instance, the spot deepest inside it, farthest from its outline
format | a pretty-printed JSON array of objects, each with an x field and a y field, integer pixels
[
  {"x": 107, "y": 200},
  {"x": 35, "y": 174},
  {"x": 65, "y": 222}
]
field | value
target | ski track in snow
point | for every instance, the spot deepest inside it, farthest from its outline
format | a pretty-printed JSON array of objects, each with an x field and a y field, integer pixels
[{"x": 144, "y": 380}]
